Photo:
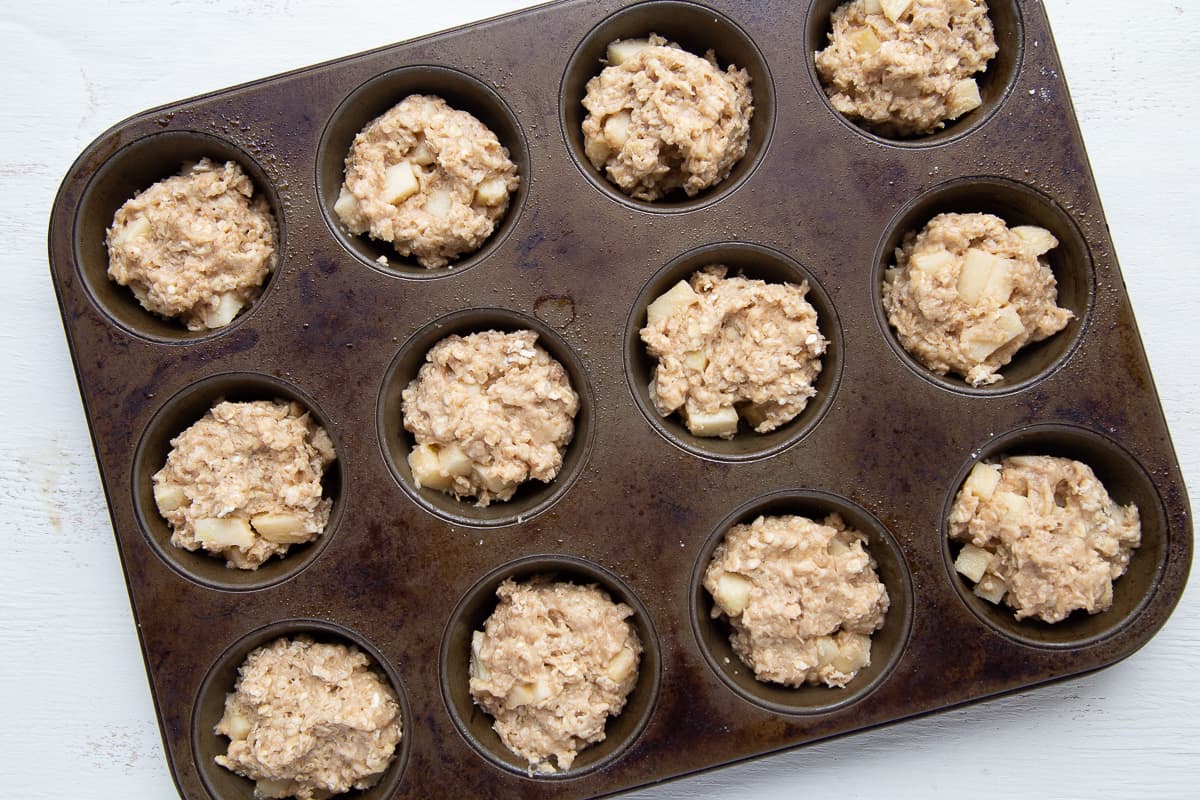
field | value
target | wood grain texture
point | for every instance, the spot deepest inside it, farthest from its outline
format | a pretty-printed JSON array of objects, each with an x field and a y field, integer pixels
[{"x": 81, "y": 717}]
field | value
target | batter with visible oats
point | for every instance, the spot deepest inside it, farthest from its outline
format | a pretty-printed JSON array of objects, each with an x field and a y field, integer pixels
[
  {"x": 968, "y": 292},
  {"x": 244, "y": 482},
  {"x": 431, "y": 180},
  {"x": 906, "y": 67},
  {"x": 802, "y": 597},
  {"x": 1042, "y": 535},
  {"x": 552, "y": 664},
  {"x": 309, "y": 720},
  {"x": 195, "y": 247},
  {"x": 660, "y": 119},
  {"x": 733, "y": 348},
  {"x": 488, "y": 411}
]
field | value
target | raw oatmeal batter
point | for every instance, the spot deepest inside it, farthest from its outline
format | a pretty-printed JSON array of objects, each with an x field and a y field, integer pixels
[
  {"x": 244, "y": 482},
  {"x": 553, "y": 662},
  {"x": 661, "y": 119},
  {"x": 488, "y": 411},
  {"x": 733, "y": 346},
  {"x": 309, "y": 720},
  {"x": 802, "y": 597},
  {"x": 196, "y": 246},
  {"x": 431, "y": 180},
  {"x": 906, "y": 67},
  {"x": 1042, "y": 535},
  {"x": 968, "y": 292}
]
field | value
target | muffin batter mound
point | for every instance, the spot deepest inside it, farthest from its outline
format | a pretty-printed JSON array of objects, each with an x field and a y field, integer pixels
[
  {"x": 663, "y": 119},
  {"x": 905, "y": 68},
  {"x": 196, "y": 246},
  {"x": 431, "y": 180},
  {"x": 968, "y": 292},
  {"x": 244, "y": 482},
  {"x": 1042, "y": 535},
  {"x": 488, "y": 411},
  {"x": 553, "y": 662},
  {"x": 730, "y": 346},
  {"x": 802, "y": 598},
  {"x": 309, "y": 720}
]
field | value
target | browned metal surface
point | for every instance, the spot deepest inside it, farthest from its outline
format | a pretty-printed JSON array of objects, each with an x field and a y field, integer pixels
[{"x": 637, "y": 507}]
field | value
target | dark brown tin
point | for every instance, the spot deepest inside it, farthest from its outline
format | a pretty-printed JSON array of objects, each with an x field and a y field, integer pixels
[{"x": 407, "y": 573}]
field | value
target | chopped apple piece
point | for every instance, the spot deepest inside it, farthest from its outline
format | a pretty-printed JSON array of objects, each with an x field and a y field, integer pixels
[
  {"x": 492, "y": 192},
  {"x": 991, "y": 588},
  {"x": 453, "y": 461},
  {"x": 894, "y": 9},
  {"x": 597, "y": 150},
  {"x": 674, "y": 300},
  {"x": 827, "y": 650},
  {"x": 622, "y": 50},
  {"x": 399, "y": 183},
  {"x": 733, "y": 593},
  {"x": 426, "y": 468},
  {"x": 890, "y": 274},
  {"x": 224, "y": 532},
  {"x": 696, "y": 359},
  {"x": 169, "y": 496},
  {"x": 854, "y": 653},
  {"x": 621, "y": 666},
  {"x": 272, "y": 789},
  {"x": 975, "y": 274},
  {"x": 136, "y": 228},
  {"x": 280, "y": 528},
  {"x": 755, "y": 414},
  {"x": 616, "y": 129},
  {"x": 837, "y": 546},
  {"x": 980, "y": 341},
  {"x": 491, "y": 481},
  {"x": 523, "y": 694},
  {"x": 1001, "y": 283},
  {"x": 227, "y": 308},
  {"x": 1016, "y": 505},
  {"x": 1008, "y": 321},
  {"x": 932, "y": 263},
  {"x": 235, "y": 726},
  {"x": 963, "y": 97},
  {"x": 985, "y": 274},
  {"x": 439, "y": 203},
  {"x": 1038, "y": 241},
  {"x": 422, "y": 154},
  {"x": 346, "y": 205},
  {"x": 723, "y": 422},
  {"x": 865, "y": 41},
  {"x": 982, "y": 481},
  {"x": 872, "y": 7},
  {"x": 478, "y": 670},
  {"x": 972, "y": 562}
]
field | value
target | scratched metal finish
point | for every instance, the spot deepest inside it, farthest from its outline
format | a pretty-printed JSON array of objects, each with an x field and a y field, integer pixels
[{"x": 638, "y": 508}]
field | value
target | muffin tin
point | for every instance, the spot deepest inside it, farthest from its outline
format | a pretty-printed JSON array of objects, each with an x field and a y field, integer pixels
[{"x": 408, "y": 573}]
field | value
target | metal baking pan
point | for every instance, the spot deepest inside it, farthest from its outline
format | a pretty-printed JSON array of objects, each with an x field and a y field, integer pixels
[{"x": 408, "y": 573}]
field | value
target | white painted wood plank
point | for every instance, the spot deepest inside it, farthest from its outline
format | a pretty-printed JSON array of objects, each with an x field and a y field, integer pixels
[{"x": 74, "y": 688}]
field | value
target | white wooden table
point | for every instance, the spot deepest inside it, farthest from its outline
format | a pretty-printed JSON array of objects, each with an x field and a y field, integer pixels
[{"x": 79, "y": 718}]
